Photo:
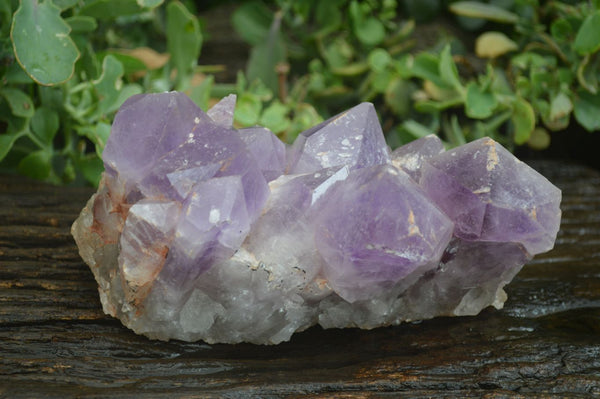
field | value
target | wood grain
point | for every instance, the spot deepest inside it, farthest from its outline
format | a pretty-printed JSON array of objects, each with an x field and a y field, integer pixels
[{"x": 56, "y": 342}]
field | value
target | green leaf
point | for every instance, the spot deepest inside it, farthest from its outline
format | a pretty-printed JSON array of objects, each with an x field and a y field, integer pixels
[
  {"x": 42, "y": 44},
  {"x": 275, "y": 117},
  {"x": 432, "y": 107},
  {"x": 454, "y": 132},
  {"x": 130, "y": 63},
  {"x": 200, "y": 94},
  {"x": 127, "y": 91},
  {"x": 586, "y": 110},
  {"x": 381, "y": 81},
  {"x": 51, "y": 97},
  {"x": 379, "y": 59},
  {"x": 183, "y": 39},
  {"x": 15, "y": 75},
  {"x": 305, "y": 117},
  {"x": 64, "y": 4},
  {"x": 448, "y": 70},
  {"x": 587, "y": 73},
  {"x": 6, "y": 142},
  {"x": 101, "y": 134},
  {"x": 108, "y": 85},
  {"x": 539, "y": 140},
  {"x": 398, "y": 96},
  {"x": 415, "y": 129},
  {"x": 252, "y": 21},
  {"x": 560, "y": 107},
  {"x": 265, "y": 57},
  {"x": 328, "y": 16},
  {"x": 523, "y": 120},
  {"x": 149, "y": 3},
  {"x": 91, "y": 167},
  {"x": 479, "y": 103},
  {"x": 561, "y": 29},
  {"x": 88, "y": 64},
  {"x": 338, "y": 53},
  {"x": 426, "y": 66},
  {"x": 565, "y": 76},
  {"x": 110, "y": 9},
  {"x": 532, "y": 60},
  {"x": 5, "y": 16},
  {"x": 354, "y": 69},
  {"x": 493, "y": 45},
  {"x": 45, "y": 124},
  {"x": 499, "y": 81},
  {"x": 403, "y": 66},
  {"x": 20, "y": 103},
  {"x": 82, "y": 23},
  {"x": 490, "y": 12},
  {"x": 541, "y": 81},
  {"x": 587, "y": 40},
  {"x": 36, "y": 165},
  {"x": 368, "y": 30},
  {"x": 241, "y": 83},
  {"x": 247, "y": 109}
]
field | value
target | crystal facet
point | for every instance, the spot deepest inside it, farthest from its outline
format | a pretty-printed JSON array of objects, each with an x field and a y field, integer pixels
[{"x": 200, "y": 231}]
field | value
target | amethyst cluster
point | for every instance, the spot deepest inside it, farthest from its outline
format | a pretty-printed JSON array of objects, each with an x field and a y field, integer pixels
[{"x": 200, "y": 231}]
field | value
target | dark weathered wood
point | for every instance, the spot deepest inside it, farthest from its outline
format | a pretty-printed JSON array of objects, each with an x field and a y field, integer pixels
[{"x": 56, "y": 342}]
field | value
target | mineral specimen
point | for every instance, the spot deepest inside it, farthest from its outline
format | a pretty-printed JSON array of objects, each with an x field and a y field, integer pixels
[{"x": 200, "y": 231}]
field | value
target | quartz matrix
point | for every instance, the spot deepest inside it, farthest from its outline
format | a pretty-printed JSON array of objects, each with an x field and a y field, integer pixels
[{"x": 200, "y": 231}]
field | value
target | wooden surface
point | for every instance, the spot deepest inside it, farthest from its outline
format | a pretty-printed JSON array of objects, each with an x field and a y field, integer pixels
[{"x": 56, "y": 342}]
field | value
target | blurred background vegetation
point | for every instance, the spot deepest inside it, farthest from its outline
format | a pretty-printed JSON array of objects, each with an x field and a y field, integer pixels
[{"x": 524, "y": 72}]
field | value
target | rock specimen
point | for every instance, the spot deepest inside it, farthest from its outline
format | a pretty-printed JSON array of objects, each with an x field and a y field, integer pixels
[{"x": 200, "y": 231}]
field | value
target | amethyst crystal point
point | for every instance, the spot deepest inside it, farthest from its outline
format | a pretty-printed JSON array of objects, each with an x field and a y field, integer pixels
[
  {"x": 222, "y": 112},
  {"x": 200, "y": 231},
  {"x": 492, "y": 196},
  {"x": 267, "y": 149},
  {"x": 377, "y": 228},
  {"x": 410, "y": 157},
  {"x": 146, "y": 128},
  {"x": 353, "y": 138}
]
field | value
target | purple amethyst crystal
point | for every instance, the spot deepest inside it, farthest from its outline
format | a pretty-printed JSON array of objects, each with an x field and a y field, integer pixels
[
  {"x": 200, "y": 231},
  {"x": 353, "y": 138},
  {"x": 267, "y": 149},
  {"x": 410, "y": 157},
  {"x": 500, "y": 199},
  {"x": 375, "y": 229}
]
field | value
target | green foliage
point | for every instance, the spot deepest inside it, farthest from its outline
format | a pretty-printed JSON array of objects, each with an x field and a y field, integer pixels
[
  {"x": 42, "y": 44},
  {"x": 540, "y": 65},
  {"x": 183, "y": 42},
  {"x": 60, "y": 86},
  {"x": 476, "y": 9}
]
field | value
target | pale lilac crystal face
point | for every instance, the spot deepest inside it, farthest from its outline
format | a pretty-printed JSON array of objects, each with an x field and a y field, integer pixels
[
  {"x": 492, "y": 196},
  {"x": 201, "y": 231},
  {"x": 161, "y": 144},
  {"x": 292, "y": 196},
  {"x": 267, "y": 149},
  {"x": 146, "y": 128},
  {"x": 376, "y": 228},
  {"x": 222, "y": 112},
  {"x": 213, "y": 225},
  {"x": 410, "y": 157},
  {"x": 353, "y": 138}
]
